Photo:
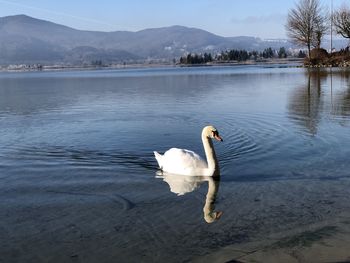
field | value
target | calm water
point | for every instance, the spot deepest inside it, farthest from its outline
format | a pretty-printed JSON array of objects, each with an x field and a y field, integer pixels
[{"x": 78, "y": 176}]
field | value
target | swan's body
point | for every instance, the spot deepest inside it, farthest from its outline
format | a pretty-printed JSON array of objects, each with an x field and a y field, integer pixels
[
  {"x": 185, "y": 162},
  {"x": 181, "y": 161}
]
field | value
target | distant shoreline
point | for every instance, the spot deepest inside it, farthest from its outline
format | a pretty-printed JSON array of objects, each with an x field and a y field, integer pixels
[
  {"x": 34, "y": 68},
  {"x": 273, "y": 61},
  {"x": 288, "y": 62}
]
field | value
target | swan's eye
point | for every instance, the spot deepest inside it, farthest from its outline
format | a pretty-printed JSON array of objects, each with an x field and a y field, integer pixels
[{"x": 215, "y": 133}]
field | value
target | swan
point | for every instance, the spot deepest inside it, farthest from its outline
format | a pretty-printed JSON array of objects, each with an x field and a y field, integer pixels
[{"x": 185, "y": 162}]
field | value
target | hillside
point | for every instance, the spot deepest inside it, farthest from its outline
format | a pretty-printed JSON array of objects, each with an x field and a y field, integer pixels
[{"x": 24, "y": 39}]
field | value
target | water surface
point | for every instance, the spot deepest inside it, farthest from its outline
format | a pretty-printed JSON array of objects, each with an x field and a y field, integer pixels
[{"x": 78, "y": 176}]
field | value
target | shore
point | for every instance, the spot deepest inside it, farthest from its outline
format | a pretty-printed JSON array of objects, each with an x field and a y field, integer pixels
[
  {"x": 27, "y": 68},
  {"x": 309, "y": 226},
  {"x": 322, "y": 243},
  {"x": 291, "y": 62}
]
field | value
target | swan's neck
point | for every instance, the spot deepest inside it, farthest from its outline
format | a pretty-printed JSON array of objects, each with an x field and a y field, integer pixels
[{"x": 210, "y": 154}]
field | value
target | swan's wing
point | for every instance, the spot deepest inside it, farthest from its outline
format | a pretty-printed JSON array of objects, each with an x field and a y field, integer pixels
[{"x": 182, "y": 161}]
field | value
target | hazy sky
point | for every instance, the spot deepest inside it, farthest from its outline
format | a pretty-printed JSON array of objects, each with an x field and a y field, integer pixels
[{"x": 261, "y": 18}]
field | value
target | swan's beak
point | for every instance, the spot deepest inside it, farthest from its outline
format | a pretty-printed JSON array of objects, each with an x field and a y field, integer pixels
[{"x": 217, "y": 137}]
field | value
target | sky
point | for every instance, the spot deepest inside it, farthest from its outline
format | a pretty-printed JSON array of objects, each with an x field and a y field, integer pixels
[{"x": 258, "y": 18}]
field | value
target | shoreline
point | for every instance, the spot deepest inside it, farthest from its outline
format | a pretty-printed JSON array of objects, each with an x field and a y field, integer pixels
[
  {"x": 34, "y": 68},
  {"x": 287, "y": 62},
  {"x": 327, "y": 241}
]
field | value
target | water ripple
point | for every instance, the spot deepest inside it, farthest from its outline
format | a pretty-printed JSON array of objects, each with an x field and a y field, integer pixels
[
  {"x": 257, "y": 139},
  {"x": 53, "y": 156},
  {"x": 246, "y": 135}
]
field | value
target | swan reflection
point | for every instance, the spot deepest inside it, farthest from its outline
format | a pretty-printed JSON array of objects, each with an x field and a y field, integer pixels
[{"x": 181, "y": 184}]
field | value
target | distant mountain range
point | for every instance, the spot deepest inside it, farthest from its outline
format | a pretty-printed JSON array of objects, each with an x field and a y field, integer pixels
[{"x": 28, "y": 40}]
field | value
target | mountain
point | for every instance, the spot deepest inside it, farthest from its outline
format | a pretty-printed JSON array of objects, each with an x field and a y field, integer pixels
[{"x": 24, "y": 39}]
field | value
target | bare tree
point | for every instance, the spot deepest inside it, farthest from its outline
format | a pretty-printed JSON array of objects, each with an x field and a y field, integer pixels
[
  {"x": 341, "y": 21},
  {"x": 306, "y": 24},
  {"x": 320, "y": 29}
]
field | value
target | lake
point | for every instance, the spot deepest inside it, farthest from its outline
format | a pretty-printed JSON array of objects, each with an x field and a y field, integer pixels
[{"x": 79, "y": 182}]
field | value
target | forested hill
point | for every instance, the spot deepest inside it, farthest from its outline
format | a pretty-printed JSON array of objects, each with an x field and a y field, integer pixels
[{"x": 24, "y": 39}]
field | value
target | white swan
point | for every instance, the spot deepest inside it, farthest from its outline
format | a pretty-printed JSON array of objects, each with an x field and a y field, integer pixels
[{"x": 185, "y": 162}]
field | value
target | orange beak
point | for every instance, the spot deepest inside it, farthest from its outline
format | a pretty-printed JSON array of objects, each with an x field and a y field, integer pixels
[{"x": 217, "y": 137}]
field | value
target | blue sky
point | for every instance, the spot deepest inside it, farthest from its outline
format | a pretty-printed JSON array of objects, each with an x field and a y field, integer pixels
[{"x": 260, "y": 18}]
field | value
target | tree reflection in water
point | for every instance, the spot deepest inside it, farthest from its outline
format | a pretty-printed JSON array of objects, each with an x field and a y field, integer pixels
[{"x": 326, "y": 92}]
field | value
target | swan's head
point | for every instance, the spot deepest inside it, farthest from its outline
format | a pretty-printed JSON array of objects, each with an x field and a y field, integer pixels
[{"x": 211, "y": 132}]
